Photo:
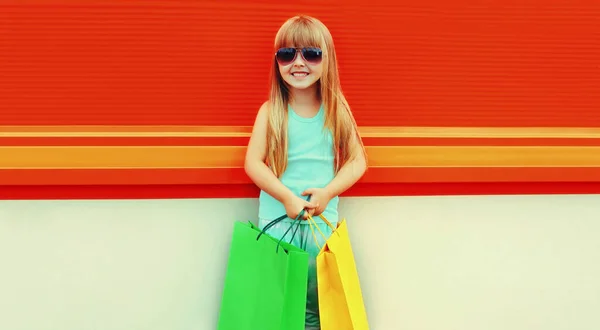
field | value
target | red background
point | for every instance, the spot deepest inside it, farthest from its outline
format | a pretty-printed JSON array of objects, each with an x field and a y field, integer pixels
[{"x": 428, "y": 63}]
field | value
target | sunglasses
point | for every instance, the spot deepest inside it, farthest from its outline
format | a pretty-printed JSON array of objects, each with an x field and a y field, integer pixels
[{"x": 287, "y": 55}]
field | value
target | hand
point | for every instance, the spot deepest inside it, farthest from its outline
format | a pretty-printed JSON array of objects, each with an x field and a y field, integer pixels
[
  {"x": 295, "y": 205},
  {"x": 320, "y": 197}
]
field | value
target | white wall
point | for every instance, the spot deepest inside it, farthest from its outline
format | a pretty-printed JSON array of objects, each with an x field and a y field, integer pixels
[{"x": 443, "y": 263}]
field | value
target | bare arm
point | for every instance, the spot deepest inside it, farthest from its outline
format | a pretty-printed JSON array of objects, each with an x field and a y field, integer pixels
[
  {"x": 350, "y": 173},
  {"x": 260, "y": 173}
]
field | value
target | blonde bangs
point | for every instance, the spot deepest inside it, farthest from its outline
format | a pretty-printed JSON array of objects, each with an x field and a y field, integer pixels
[{"x": 300, "y": 33}]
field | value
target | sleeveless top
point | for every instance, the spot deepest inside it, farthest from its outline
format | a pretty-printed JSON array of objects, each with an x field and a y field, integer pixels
[{"x": 310, "y": 164}]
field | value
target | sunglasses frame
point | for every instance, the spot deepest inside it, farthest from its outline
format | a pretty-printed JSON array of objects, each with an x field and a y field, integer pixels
[{"x": 300, "y": 50}]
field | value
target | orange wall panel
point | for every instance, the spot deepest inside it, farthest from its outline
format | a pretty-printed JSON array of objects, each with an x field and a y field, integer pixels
[{"x": 426, "y": 63}]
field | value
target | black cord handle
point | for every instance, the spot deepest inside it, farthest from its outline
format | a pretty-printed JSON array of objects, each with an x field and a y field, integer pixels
[{"x": 278, "y": 220}]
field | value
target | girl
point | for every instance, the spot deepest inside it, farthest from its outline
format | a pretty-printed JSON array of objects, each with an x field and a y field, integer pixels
[{"x": 305, "y": 142}]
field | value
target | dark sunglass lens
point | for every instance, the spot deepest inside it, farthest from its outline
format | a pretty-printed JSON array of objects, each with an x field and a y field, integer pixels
[
  {"x": 286, "y": 55},
  {"x": 312, "y": 55}
]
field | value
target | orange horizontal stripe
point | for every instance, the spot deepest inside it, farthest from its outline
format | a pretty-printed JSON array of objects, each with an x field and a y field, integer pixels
[
  {"x": 243, "y": 141},
  {"x": 154, "y": 141},
  {"x": 245, "y": 131},
  {"x": 233, "y": 156},
  {"x": 121, "y": 176}
]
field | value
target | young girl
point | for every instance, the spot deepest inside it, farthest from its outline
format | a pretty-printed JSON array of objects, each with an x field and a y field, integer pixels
[{"x": 305, "y": 142}]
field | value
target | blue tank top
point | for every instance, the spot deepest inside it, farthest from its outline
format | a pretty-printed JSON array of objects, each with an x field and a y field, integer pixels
[{"x": 310, "y": 164}]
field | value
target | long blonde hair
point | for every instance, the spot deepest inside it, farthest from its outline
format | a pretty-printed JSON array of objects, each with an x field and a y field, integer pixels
[{"x": 306, "y": 31}]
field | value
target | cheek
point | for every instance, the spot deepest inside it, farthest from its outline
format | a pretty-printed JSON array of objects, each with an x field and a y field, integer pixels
[
  {"x": 318, "y": 71},
  {"x": 283, "y": 73}
]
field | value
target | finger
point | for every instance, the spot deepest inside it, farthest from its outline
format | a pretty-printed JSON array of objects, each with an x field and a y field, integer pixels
[
  {"x": 310, "y": 205},
  {"x": 308, "y": 191},
  {"x": 301, "y": 214}
]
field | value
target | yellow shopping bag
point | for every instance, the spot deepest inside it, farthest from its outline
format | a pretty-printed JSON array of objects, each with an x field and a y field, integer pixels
[{"x": 341, "y": 305}]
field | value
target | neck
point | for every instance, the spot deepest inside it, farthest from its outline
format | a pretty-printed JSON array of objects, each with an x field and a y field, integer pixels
[{"x": 304, "y": 97}]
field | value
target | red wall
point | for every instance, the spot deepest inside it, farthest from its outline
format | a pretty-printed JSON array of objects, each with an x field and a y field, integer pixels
[{"x": 425, "y": 63}]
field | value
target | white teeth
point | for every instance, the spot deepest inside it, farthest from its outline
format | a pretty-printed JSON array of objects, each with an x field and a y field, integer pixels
[{"x": 300, "y": 74}]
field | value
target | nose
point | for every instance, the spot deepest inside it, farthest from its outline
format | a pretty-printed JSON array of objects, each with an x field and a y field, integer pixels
[{"x": 299, "y": 60}]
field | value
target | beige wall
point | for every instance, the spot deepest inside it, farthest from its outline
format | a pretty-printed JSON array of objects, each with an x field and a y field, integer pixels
[{"x": 443, "y": 263}]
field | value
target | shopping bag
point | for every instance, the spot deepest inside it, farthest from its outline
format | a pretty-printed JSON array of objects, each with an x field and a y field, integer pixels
[
  {"x": 265, "y": 282},
  {"x": 341, "y": 304}
]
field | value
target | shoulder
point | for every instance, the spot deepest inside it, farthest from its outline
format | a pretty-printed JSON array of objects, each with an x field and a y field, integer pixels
[
  {"x": 263, "y": 113},
  {"x": 264, "y": 108}
]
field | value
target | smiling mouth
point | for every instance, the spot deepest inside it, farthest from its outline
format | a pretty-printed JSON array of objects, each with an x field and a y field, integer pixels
[{"x": 300, "y": 74}]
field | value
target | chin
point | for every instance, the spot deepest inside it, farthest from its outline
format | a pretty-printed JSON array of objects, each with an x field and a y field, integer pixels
[{"x": 302, "y": 86}]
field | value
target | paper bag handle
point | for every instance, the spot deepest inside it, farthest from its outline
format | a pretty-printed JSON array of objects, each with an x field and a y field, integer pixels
[
  {"x": 313, "y": 223},
  {"x": 278, "y": 220}
]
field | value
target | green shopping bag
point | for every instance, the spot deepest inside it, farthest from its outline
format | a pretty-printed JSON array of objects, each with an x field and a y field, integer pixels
[{"x": 265, "y": 282}]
